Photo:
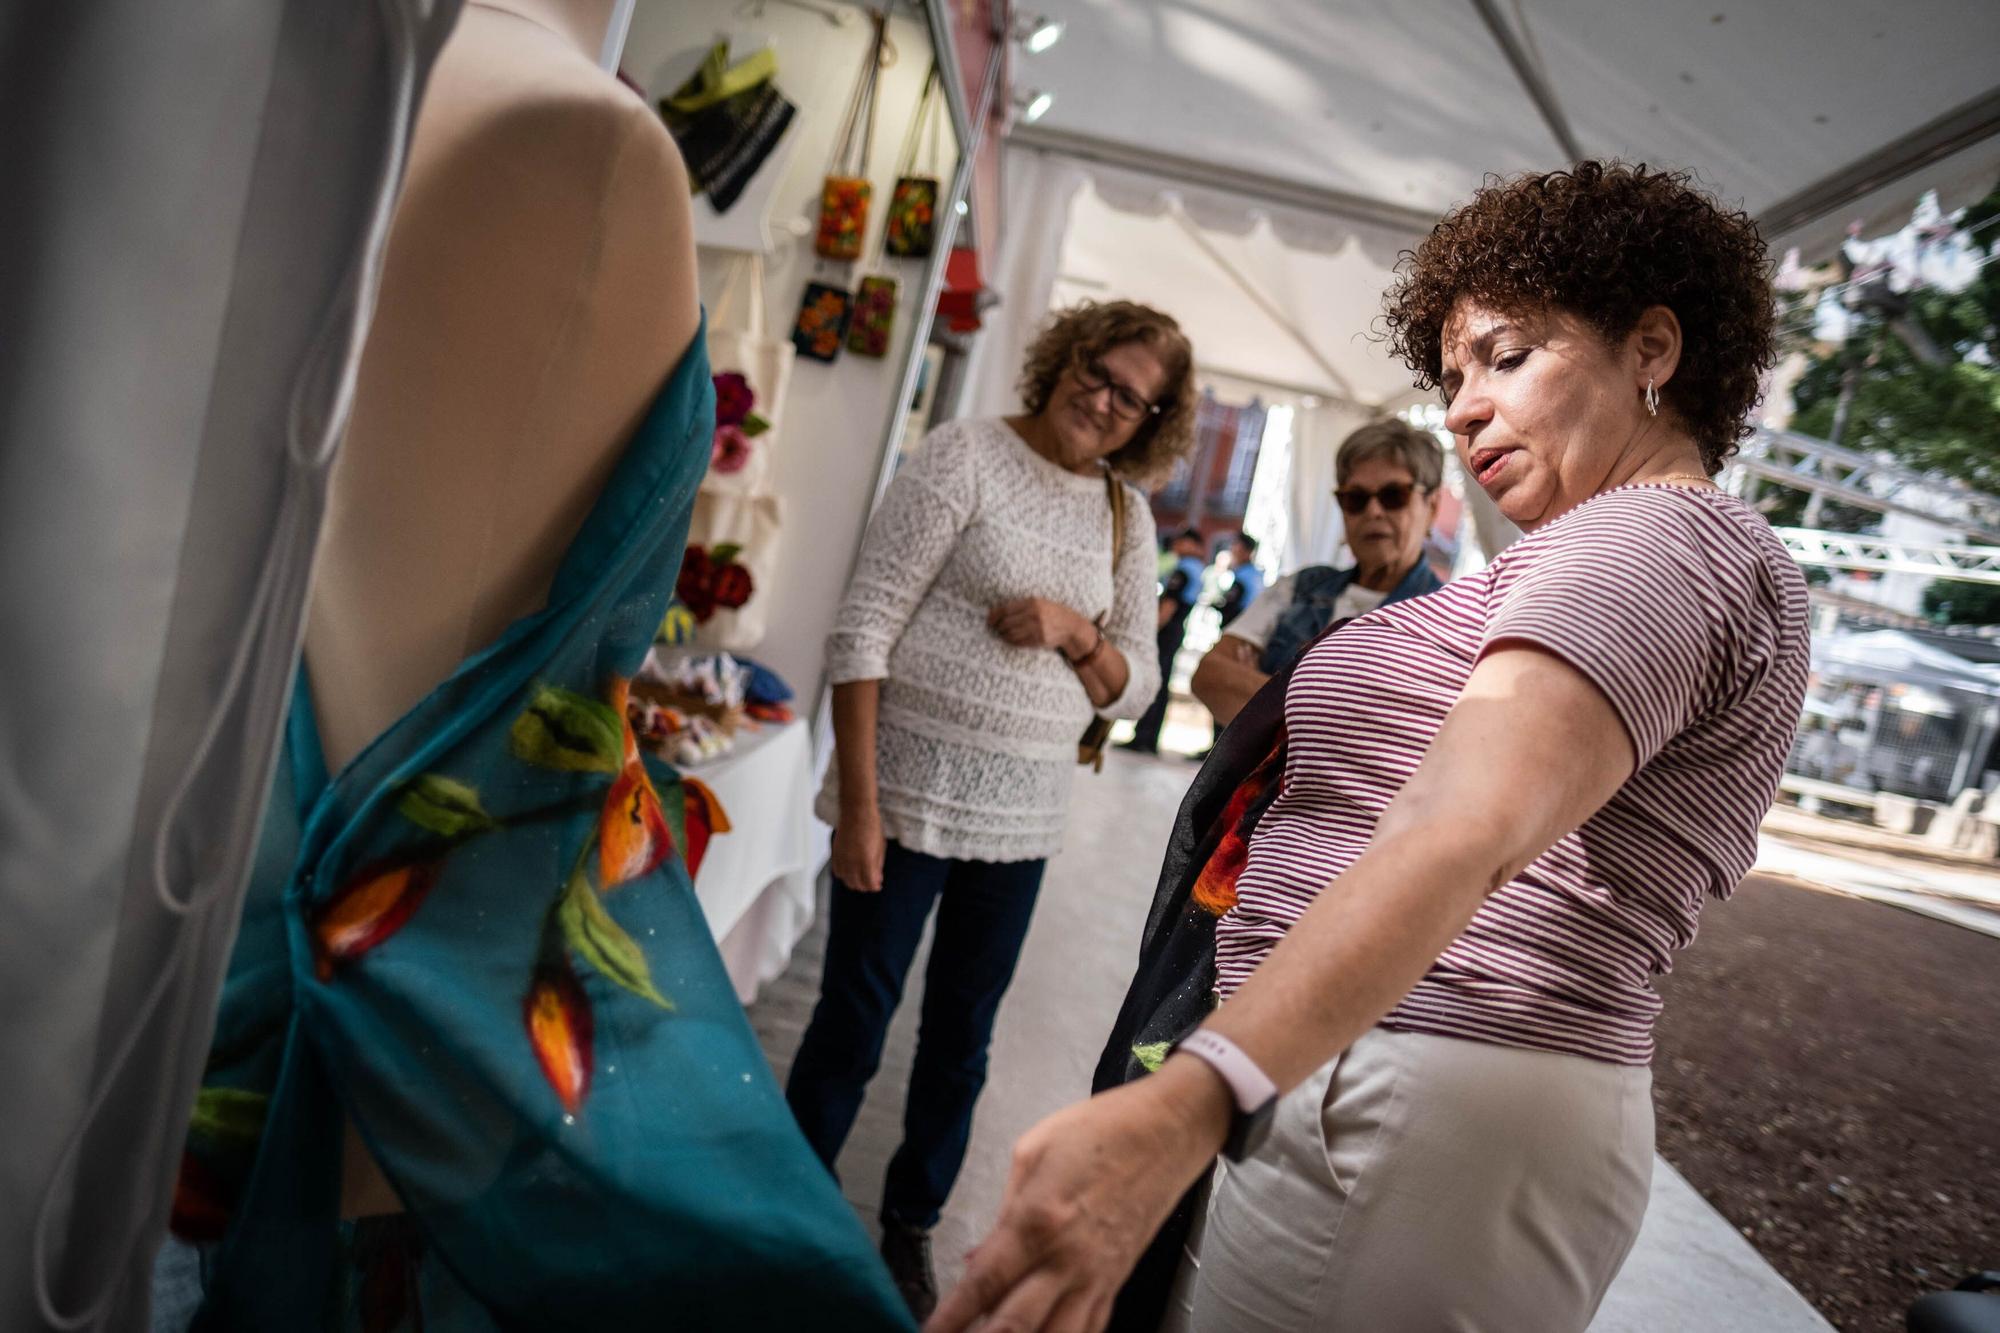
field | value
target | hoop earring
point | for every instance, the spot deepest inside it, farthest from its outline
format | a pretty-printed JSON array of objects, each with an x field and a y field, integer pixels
[{"x": 1652, "y": 399}]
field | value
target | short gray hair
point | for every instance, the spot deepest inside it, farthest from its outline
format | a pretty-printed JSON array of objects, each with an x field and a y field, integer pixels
[{"x": 1392, "y": 441}]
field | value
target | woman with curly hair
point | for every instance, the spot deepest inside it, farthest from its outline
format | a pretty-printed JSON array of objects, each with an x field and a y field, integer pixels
[
  {"x": 1501, "y": 808},
  {"x": 988, "y": 620}
]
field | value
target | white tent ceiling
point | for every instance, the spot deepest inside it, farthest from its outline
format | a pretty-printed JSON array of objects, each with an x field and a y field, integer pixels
[
  {"x": 1305, "y": 299},
  {"x": 1408, "y": 105}
]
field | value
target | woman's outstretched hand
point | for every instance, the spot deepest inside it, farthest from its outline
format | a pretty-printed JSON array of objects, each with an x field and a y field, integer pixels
[{"x": 1089, "y": 1187}]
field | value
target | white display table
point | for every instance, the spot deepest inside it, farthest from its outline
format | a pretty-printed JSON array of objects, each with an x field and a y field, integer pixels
[{"x": 756, "y": 884}]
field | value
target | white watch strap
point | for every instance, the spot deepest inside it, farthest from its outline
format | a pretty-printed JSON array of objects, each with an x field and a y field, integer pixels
[{"x": 1251, "y": 1086}]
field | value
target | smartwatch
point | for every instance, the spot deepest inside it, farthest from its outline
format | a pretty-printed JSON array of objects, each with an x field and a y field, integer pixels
[{"x": 1254, "y": 1094}]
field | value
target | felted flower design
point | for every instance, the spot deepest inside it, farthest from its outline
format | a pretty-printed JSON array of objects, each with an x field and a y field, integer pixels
[{"x": 731, "y": 450}]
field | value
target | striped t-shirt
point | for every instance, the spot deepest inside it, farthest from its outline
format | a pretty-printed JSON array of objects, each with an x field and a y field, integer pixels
[{"x": 1684, "y": 609}]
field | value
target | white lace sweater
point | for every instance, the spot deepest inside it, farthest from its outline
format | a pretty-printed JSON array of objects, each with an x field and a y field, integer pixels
[{"x": 976, "y": 739}]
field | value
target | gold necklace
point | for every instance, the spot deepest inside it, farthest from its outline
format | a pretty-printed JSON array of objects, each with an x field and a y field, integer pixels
[{"x": 1684, "y": 476}]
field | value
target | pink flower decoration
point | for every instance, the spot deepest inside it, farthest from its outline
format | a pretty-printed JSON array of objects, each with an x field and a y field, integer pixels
[
  {"x": 733, "y": 399},
  {"x": 731, "y": 451}
]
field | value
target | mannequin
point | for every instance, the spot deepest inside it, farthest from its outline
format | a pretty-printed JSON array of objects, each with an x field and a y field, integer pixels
[{"x": 539, "y": 287}]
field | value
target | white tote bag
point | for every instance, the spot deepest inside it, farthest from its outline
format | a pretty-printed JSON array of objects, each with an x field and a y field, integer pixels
[
  {"x": 737, "y": 508},
  {"x": 739, "y": 343}
]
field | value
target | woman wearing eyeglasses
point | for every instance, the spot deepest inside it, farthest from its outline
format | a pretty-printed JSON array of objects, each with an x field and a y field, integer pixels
[
  {"x": 1387, "y": 474},
  {"x": 989, "y": 618}
]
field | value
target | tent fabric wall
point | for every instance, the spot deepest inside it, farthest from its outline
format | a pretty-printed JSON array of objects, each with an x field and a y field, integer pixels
[
  {"x": 198, "y": 195},
  {"x": 1040, "y": 188}
]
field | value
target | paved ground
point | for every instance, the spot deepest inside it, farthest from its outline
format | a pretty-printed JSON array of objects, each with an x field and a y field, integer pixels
[{"x": 1691, "y": 1271}]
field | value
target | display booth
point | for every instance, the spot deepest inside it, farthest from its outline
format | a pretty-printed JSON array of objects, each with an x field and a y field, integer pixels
[{"x": 824, "y": 140}]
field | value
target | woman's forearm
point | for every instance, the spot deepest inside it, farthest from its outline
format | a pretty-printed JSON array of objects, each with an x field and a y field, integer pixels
[
  {"x": 1098, "y": 664},
  {"x": 855, "y": 705}
]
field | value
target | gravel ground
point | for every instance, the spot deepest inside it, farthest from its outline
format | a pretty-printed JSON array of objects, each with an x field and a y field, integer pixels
[{"x": 1827, "y": 1077}]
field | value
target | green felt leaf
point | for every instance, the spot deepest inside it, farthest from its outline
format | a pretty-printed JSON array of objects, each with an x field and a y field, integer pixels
[
  {"x": 603, "y": 943},
  {"x": 726, "y": 552},
  {"x": 444, "y": 805},
  {"x": 565, "y": 730},
  {"x": 1152, "y": 1054},
  {"x": 673, "y": 801},
  {"x": 232, "y": 1116},
  {"x": 754, "y": 425}
]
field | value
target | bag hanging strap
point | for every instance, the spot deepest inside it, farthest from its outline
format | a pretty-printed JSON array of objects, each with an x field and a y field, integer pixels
[
  {"x": 718, "y": 81},
  {"x": 906, "y": 161},
  {"x": 860, "y": 115},
  {"x": 725, "y": 300},
  {"x": 1117, "y": 527}
]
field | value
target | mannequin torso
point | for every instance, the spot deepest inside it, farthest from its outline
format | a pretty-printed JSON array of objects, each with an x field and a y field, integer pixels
[{"x": 538, "y": 288}]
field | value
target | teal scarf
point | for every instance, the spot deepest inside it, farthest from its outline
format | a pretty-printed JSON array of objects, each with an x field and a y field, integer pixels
[{"x": 479, "y": 941}]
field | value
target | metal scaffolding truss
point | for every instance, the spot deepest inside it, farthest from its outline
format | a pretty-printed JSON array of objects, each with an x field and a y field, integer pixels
[
  {"x": 1836, "y": 550},
  {"x": 1862, "y": 480}
]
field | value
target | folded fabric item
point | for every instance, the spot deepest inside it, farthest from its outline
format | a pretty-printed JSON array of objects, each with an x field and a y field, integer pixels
[{"x": 765, "y": 686}]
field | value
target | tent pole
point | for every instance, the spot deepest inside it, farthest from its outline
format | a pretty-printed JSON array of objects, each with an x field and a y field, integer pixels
[{"x": 1532, "y": 80}]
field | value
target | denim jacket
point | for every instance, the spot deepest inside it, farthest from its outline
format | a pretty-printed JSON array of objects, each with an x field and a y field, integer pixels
[{"x": 1315, "y": 590}]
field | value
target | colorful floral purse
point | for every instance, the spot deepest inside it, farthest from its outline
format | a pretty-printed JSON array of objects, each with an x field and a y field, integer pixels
[
  {"x": 843, "y": 204},
  {"x": 824, "y": 313},
  {"x": 912, "y": 225},
  {"x": 873, "y": 319}
]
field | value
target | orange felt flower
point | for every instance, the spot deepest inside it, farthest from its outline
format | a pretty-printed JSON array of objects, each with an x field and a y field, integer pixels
[
  {"x": 705, "y": 817},
  {"x": 557, "y": 1014},
  {"x": 632, "y": 833},
  {"x": 368, "y": 909}
]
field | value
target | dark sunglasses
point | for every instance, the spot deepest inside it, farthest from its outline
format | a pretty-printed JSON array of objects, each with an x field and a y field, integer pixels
[
  {"x": 1091, "y": 376},
  {"x": 1395, "y": 496}
]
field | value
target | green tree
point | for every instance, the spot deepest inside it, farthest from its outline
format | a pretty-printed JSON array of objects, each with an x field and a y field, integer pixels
[
  {"x": 1927, "y": 375},
  {"x": 1953, "y": 602}
]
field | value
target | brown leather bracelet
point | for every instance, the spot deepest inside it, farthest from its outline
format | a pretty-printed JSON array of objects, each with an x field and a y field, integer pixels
[{"x": 1079, "y": 663}]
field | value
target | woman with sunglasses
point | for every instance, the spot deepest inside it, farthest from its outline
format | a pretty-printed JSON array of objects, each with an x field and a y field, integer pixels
[
  {"x": 1499, "y": 813},
  {"x": 1387, "y": 475},
  {"x": 989, "y": 618}
]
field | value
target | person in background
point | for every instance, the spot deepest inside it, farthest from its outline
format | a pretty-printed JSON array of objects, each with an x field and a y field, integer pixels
[
  {"x": 1246, "y": 581},
  {"x": 1387, "y": 476},
  {"x": 989, "y": 618},
  {"x": 1178, "y": 594}
]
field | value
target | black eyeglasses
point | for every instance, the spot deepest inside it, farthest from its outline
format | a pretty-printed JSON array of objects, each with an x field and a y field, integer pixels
[
  {"x": 1125, "y": 405},
  {"x": 1395, "y": 496}
]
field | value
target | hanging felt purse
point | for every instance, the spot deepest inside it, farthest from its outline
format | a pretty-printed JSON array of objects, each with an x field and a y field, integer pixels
[
  {"x": 911, "y": 230},
  {"x": 844, "y": 198},
  {"x": 873, "y": 319},
  {"x": 824, "y": 312},
  {"x": 1090, "y": 746}
]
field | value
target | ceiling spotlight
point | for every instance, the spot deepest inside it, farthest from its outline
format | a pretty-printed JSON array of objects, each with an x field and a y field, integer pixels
[
  {"x": 1037, "y": 32},
  {"x": 963, "y": 208},
  {"x": 1033, "y": 105}
]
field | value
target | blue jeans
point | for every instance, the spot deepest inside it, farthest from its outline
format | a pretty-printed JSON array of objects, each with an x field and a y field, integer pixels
[{"x": 983, "y": 910}]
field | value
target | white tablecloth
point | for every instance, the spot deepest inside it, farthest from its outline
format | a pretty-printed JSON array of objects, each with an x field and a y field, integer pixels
[{"x": 756, "y": 884}]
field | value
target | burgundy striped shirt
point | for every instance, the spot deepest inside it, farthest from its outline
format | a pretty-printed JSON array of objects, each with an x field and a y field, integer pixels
[{"x": 1685, "y": 610}]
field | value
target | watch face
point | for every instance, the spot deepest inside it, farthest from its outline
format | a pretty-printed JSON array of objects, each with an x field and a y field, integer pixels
[{"x": 1248, "y": 1130}]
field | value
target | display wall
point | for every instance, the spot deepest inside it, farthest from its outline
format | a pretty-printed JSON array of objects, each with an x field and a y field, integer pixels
[{"x": 827, "y": 454}]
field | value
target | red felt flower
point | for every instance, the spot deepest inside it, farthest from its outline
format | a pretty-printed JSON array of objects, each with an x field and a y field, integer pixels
[
  {"x": 202, "y": 1202},
  {"x": 732, "y": 585},
  {"x": 696, "y": 585},
  {"x": 733, "y": 399},
  {"x": 368, "y": 909},
  {"x": 557, "y": 1014}
]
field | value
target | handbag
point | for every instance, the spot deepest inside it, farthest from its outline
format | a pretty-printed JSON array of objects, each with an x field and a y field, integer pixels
[
  {"x": 844, "y": 198},
  {"x": 1173, "y": 988},
  {"x": 873, "y": 318},
  {"x": 912, "y": 226},
  {"x": 821, "y": 326},
  {"x": 740, "y": 347},
  {"x": 1090, "y": 746},
  {"x": 726, "y": 119}
]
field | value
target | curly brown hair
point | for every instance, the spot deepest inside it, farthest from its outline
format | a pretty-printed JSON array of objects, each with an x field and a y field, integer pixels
[
  {"x": 1092, "y": 328},
  {"x": 1604, "y": 241}
]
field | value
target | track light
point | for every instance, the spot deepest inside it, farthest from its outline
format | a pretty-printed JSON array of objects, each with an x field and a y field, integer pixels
[
  {"x": 1037, "y": 32},
  {"x": 1033, "y": 104}
]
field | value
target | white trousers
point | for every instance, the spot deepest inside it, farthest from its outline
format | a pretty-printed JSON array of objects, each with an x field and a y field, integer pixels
[{"x": 1423, "y": 1184}]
